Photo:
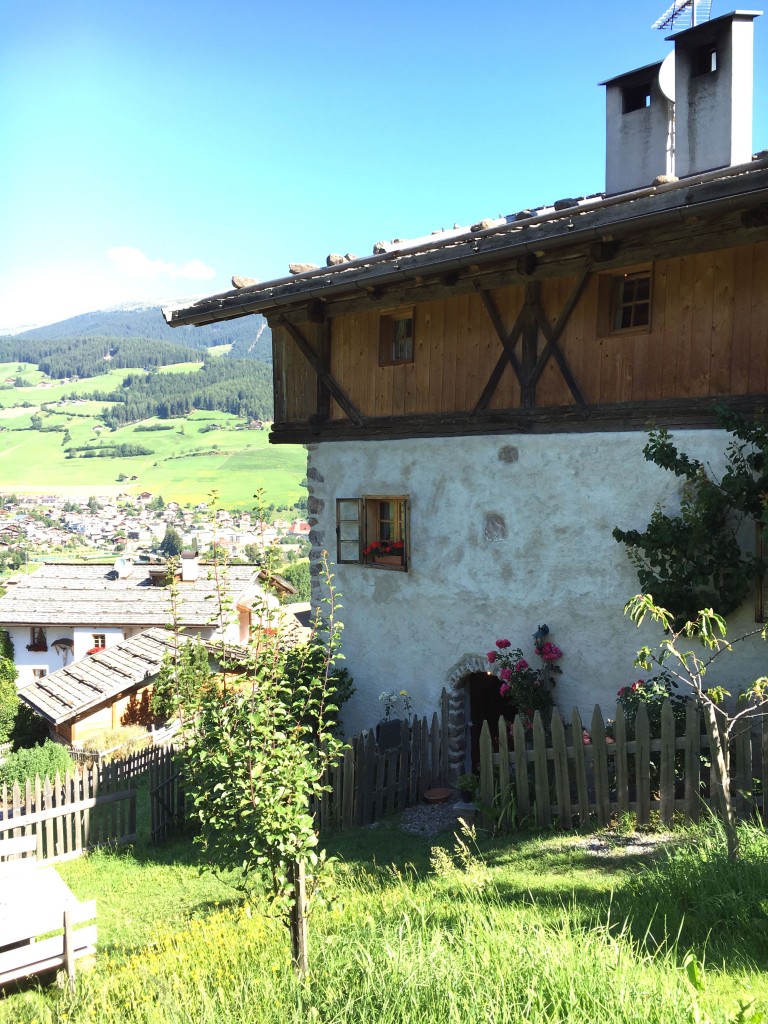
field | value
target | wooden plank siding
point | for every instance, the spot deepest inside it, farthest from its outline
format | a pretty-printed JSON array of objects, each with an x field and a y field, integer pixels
[{"x": 707, "y": 337}]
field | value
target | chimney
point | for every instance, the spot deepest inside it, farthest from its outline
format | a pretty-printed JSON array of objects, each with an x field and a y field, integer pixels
[
  {"x": 688, "y": 114},
  {"x": 713, "y": 79},
  {"x": 190, "y": 567}
]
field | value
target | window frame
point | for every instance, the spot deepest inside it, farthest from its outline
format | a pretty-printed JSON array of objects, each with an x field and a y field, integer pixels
[
  {"x": 388, "y": 321},
  {"x": 359, "y": 523},
  {"x": 99, "y": 641},
  {"x": 38, "y": 639},
  {"x": 611, "y": 300}
]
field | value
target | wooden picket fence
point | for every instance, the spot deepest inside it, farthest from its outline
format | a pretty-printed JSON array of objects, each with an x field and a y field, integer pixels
[
  {"x": 372, "y": 781},
  {"x": 561, "y": 779},
  {"x": 90, "y": 806}
]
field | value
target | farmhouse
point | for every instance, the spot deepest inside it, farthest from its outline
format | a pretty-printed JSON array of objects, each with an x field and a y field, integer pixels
[
  {"x": 62, "y": 612},
  {"x": 477, "y": 398}
]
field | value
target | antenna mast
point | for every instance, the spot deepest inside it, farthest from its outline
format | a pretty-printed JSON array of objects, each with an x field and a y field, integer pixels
[{"x": 692, "y": 11}]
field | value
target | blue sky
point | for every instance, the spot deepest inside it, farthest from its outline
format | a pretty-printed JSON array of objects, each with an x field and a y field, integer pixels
[{"x": 150, "y": 150}]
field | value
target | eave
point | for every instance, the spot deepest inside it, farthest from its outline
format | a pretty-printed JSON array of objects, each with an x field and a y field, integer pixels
[{"x": 598, "y": 220}]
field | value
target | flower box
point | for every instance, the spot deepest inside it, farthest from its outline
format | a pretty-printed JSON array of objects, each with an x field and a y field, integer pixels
[{"x": 387, "y": 559}]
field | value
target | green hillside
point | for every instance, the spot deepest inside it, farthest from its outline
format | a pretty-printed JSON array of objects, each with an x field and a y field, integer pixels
[{"x": 51, "y": 440}]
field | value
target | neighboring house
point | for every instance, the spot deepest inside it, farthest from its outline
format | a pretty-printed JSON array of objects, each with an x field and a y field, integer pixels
[
  {"x": 111, "y": 688},
  {"x": 480, "y": 395},
  {"x": 61, "y": 612}
]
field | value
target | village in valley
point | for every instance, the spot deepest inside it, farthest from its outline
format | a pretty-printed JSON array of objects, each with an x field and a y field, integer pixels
[{"x": 135, "y": 526}]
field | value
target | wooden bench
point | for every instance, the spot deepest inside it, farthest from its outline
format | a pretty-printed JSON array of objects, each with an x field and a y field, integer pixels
[{"x": 35, "y": 901}]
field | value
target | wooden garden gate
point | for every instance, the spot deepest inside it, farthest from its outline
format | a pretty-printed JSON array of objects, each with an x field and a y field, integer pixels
[{"x": 166, "y": 794}]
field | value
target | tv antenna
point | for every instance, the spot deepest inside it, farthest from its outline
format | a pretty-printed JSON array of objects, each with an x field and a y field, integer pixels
[{"x": 693, "y": 12}]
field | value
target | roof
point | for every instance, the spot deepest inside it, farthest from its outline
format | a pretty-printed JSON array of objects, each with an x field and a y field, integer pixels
[
  {"x": 68, "y": 692},
  {"x": 531, "y": 232},
  {"x": 75, "y": 689},
  {"x": 66, "y": 594}
]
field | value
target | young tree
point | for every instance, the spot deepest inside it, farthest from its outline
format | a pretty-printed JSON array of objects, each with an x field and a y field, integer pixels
[
  {"x": 688, "y": 668},
  {"x": 255, "y": 760},
  {"x": 9, "y": 698}
]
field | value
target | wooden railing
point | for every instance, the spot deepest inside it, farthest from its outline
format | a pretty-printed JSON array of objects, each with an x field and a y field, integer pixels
[{"x": 575, "y": 780}]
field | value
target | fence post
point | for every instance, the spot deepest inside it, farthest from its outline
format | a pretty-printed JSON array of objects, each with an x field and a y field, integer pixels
[
  {"x": 692, "y": 762},
  {"x": 600, "y": 761},
  {"x": 620, "y": 761},
  {"x": 506, "y": 805},
  {"x": 522, "y": 786},
  {"x": 667, "y": 765},
  {"x": 643, "y": 766},
  {"x": 487, "y": 781},
  {"x": 541, "y": 772},
  {"x": 562, "y": 782},
  {"x": 580, "y": 769}
]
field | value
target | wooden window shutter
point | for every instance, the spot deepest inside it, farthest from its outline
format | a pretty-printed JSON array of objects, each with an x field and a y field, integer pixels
[{"x": 348, "y": 530}]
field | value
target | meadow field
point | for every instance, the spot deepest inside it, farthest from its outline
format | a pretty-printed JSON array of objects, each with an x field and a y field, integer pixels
[
  {"x": 538, "y": 928},
  {"x": 203, "y": 451}
]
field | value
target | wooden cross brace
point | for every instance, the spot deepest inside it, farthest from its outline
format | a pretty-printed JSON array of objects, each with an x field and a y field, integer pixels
[{"x": 530, "y": 320}]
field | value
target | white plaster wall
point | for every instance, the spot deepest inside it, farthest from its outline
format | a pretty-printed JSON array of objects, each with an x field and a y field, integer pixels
[
  {"x": 83, "y": 638},
  {"x": 560, "y": 497}
]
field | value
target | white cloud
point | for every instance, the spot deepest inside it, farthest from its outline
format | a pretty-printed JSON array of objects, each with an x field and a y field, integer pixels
[{"x": 134, "y": 263}]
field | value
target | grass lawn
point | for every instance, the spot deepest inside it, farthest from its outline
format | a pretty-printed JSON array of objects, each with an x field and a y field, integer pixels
[{"x": 541, "y": 927}]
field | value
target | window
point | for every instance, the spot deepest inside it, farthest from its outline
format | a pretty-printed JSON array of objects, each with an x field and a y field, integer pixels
[
  {"x": 373, "y": 530},
  {"x": 625, "y": 301},
  {"x": 704, "y": 60},
  {"x": 38, "y": 674},
  {"x": 396, "y": 337},
  {"x": 99, "y": 641},
  {"x": 37, "y": 639},
  {"x": 636, "y": 97}
]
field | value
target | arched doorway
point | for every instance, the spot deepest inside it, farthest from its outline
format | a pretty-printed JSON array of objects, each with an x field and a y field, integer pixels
[{"x": 484, "y": 704}]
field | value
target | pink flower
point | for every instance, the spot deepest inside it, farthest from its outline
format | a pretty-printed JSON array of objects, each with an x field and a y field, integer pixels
[
  {"x": 550, "y": 652},
  {"x": 505, "y": 674},
  {"x": 637, "y": 685},
  {"x": 491, "y": 656},
  {"x": 609, "y": 739},
  {"x": 502, "y": 644},
  {"x": 520, "y": 665},
  {"x": 622, "y": 691},
  {"x": 504, "y": 689},
  {"x": 586, "y": 738}
]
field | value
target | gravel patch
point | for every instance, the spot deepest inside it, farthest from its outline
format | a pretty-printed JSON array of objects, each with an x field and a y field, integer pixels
[
  {"x": 636, "y": 844},
  {"x": 430, "y": 819}
]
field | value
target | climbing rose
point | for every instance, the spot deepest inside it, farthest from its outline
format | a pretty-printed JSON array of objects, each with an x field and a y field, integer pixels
[
  {"x": 506, "y": 675},
  {"x": 504, "y": 689},
  {"x": 501, "y": 644},
  {"x": 550, "y": 652},
  {"x": 491, "y": 656},
  {"x": 520, "y": 665}
]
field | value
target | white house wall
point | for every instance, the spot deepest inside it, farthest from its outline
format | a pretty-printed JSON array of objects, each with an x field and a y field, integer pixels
[{"x": 506, "y": 532}]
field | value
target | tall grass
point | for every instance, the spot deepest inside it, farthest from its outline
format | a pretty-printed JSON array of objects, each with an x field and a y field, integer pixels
[
  {"x": 390, "y": 947},
  {"x": 695, "y": 897}
]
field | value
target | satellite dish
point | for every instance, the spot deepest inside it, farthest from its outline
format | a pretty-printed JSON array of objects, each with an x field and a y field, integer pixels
[
  {"x": 123, "y": 567},
  {"x": 692, "y": 11},
  {"x": 667, "y": 77}
]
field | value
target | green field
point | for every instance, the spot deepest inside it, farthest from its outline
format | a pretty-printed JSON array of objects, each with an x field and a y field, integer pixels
[{"x": 188, "y": 461}]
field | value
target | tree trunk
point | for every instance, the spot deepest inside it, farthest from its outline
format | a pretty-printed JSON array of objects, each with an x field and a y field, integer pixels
[
  {"x": 720, "y": 780},
  {"x": 298, "y": 921}
]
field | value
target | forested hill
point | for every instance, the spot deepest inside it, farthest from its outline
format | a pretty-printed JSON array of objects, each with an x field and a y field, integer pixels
[
  {"x": 88, "y": 357},
  {"x": 249, "y": 336},
  {"x": 241, "y": 387}
]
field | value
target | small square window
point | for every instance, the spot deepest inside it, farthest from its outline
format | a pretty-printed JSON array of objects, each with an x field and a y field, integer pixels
[
  {"x": 39, "y": 673},
  {"x": 99, "y": 641},
  {"x": 636, "y": 97},
  {"x": 396, "y": 338},
  {"x": 631, "y": 301},
  {"x": 704, "y": 60},
  {"x": 373, "y": 530}
]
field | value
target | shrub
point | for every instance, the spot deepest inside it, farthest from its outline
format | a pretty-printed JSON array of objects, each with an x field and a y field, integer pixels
[
  {"x": 45, "y": 760},
  {"x": 651, "y": 692},
  {"x": 9, "y": 699},
  {"x": 128, "y": 739}
]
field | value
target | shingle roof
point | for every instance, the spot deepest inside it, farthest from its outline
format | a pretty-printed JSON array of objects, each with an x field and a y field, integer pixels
[
  {"x": 76, "y": 688},
  {"x": 77, "y": 595}
]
